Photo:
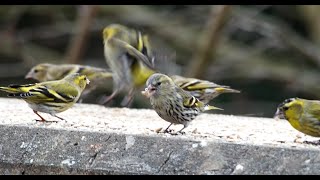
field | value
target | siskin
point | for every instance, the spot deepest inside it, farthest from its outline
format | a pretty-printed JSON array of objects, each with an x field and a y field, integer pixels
[
  {"x": 50, "y": 97},
  {"x": 302, "y": 114},
  {"x": 201, "y": 89},
  {"x": 49, "y": 72},
  {"x": 128, "y": 54},
  {"x": 171, "y": 102}
]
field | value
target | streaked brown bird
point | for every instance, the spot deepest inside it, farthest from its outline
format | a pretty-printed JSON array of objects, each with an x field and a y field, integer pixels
[{"x": 171, "y": 102}]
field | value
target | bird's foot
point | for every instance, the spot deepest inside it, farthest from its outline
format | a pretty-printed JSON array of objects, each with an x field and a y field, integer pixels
[
  {"x": 45, "y": 121},
  {"x": 170, "y": 131},
  {"x": 315, "y": 143},
  {"x": 178, "y": 133}
]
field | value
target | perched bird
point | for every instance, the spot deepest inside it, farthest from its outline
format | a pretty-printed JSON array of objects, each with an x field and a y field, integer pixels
[
  {"x": 49, "y": 72},
  {"x": 172, "y": 103},
  {"x": 201, "y": 89},
  {"x": 302, "y": 114},
  {"x": 129, "y": 56},
  {"x": 50, "y": 97}
]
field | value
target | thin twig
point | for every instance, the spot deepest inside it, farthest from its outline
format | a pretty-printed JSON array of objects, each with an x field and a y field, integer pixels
[
  {"x": 209, "y": 41},
  {"x": 77, "y": 45}
]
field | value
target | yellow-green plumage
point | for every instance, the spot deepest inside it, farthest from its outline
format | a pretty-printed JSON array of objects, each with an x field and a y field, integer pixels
[
  {"x": 49, "y": 72},
  {"x": 201, "y": 89},
  {"x": 132, "y": 71},
  {"x": 129, "y": 56},
  {"x": 171, "y": 102},
  {"x": 50, "y": 97},
  {"x": 302, "y": 114}
]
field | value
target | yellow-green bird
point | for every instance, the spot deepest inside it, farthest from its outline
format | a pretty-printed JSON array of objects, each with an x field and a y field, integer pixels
[
  {"x": 172, "y": 103},
  {"x": 49, "y": 72},
  {"x": 201, "y": 89},
  {"x": 50, "y": 97},
  {"x": 129, "y": 56},
  {"x": 302, "y": 114},
  {"x": 131, "y": 70}
]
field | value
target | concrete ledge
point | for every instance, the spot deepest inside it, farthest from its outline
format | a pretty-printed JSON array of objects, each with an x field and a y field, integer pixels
[{"x": 100, "y": 140}]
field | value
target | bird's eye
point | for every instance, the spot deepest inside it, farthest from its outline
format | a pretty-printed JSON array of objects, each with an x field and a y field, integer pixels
[
  {"x": 285, "y": 108},
  {"x": 159, "y": 83},
  {"x": 85, "y": 78},
  {"x": 35, "y": 71}
]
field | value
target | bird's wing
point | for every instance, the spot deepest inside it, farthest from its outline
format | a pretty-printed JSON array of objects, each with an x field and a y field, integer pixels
[
  {"x": 52, "y": 91},
  {"x": 194, "y": 84},
  {"x": 189, "y": 100},
  {"x": 314, "y": 111},
  {"x": 132, "y": 52}
]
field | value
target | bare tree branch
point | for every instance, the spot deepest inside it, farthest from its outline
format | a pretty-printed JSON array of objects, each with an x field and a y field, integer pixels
[
  {"x": 76, "y": 48},
  {"x": 208, "y": 42}
]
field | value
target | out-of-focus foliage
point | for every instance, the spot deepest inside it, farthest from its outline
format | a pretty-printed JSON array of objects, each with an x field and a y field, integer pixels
[{"x": 269, "y": 52}]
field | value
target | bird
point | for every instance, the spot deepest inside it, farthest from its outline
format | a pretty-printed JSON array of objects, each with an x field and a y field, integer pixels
[
  {"x": 172, "y": 103},
  {"x": 203, "y": 90},
  {"x": 49, "y": 72},
  {"x": 132, "y": 71},
  {"x": 50, "y": 97},
  {"x": 302, "y": 114},
  {"x": 128, "y": 54}
]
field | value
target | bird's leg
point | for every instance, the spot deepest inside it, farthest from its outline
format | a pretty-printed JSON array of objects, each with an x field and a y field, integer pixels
[
  {"x": 57, "y": 117},
  {"x": 127, "y": 100},
  {"x": 180, "y": 131},
  {"x": 166, "y": 130},
  {"x": 106, "y": 99},
  {"x": 42, "y": 119},
  {"x": 80, "y": 101}
]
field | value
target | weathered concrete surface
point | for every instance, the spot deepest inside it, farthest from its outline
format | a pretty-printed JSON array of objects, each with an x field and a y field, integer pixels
[{"x": 100, "y": 140}]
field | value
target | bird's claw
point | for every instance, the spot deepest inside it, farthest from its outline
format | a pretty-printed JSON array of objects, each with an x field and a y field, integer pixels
[
  {"x": 44, "y": 121},
  {"x": 315, "y": 143},
  {"x": 178, "y": 133},
  {"x": 168, "y": 131}
]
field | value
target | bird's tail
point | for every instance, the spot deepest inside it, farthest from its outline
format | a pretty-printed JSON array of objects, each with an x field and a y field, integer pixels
[
  {"x": 226, "y": 90},
  {"x": 10, "y": 89},
  {"x": 209, "y": 107},
  {"x": 16, "y": 90}
]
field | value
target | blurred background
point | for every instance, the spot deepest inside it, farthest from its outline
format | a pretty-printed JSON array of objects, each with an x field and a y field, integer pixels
[{"x": 269, "y": 52}]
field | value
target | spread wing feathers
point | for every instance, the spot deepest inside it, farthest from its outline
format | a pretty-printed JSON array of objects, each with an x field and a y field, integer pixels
[{"x": 132, "y": 51}]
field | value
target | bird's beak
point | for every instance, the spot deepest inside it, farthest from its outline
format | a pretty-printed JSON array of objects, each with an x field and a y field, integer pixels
[
  {"x": 149, "y": 91},
  {"x": 88, "y": 81},
  {"x": 279, "y": 115},
  {"x": 28, "y": 76}
]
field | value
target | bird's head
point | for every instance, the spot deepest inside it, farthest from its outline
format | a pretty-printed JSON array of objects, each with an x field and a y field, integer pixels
[
  {"x": 114, "y": 29},
  {"x": 290, "y": 108},
  {"x": 156, "y": 83},
  {"x": 77, "y": 79},
  {"x": 39, "y": 72}
]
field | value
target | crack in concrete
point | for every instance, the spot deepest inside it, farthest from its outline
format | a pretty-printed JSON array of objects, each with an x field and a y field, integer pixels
[
  {"x": 25, "y": 152},
  {"x": 94, "y": 156},
  {"x": 28, "y": 146},
  {"x": 165, "y": 161}
]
